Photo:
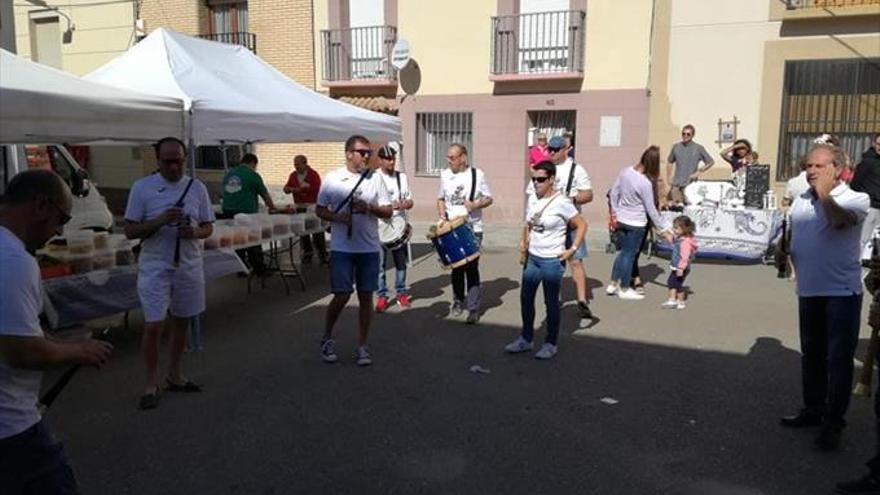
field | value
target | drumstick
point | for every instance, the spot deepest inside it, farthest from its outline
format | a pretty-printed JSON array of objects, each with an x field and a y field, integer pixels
[{"x": 55, "y": 390}]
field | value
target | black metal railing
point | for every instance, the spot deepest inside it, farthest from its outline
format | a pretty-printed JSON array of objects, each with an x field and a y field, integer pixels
[
  {"x": 540, "y": 43},
  {"x": 362, "y": 53},
  {"x": 824, "y": 4},
  {"x": 248, "y": 40}
]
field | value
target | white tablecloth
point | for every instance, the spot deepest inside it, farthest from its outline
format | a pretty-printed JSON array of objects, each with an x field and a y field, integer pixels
[
  {"x": 742, "y": 235},
  {"x": 78, "y": 298}
]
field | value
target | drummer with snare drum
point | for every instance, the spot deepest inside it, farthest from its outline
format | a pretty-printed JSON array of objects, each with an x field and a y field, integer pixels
[
  {"x": 464, "y": 192},
  {"x": 395, "y": 231}
]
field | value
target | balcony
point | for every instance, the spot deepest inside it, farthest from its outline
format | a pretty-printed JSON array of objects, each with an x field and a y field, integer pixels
[
  {"x": 545, "y": 45},
  {"x": 247, "y": 40},
  {"x": 358, "y": 57},
  {"x": 783, "y": 10}
]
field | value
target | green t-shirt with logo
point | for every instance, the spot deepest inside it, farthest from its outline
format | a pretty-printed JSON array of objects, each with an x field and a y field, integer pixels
[{"x": 241, "y": 188}]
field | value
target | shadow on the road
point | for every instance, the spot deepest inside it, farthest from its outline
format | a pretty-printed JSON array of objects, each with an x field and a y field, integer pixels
[{"x": 492, "y": 292}]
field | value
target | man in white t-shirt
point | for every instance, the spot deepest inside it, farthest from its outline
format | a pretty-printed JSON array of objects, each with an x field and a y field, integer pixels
[
  {"x": 351, "y": 199},
  {"x": 572, "y": 181},
  {"x": 464, "y": 191},
  {"x": 401, "y": 200},
  {"x": 169, "y": 212},
  {"x": 36, "y": 205},
  {"x": 825, "y": 228}
]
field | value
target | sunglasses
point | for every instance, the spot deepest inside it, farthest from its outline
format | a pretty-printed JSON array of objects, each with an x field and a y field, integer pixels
[
  {"x": 540, "y": 180},
  {"x": 553, "y": 150},
  {"x": 363, "y": 153},
  {"x": 452, "y": 157},
  {"x": 686, "y": 134}
]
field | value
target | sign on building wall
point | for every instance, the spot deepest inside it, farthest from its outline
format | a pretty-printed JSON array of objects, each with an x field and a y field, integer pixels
[{"x": 609, "y": 130}]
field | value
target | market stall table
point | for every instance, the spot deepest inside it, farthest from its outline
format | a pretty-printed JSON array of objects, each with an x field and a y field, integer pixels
[{"x": 733, "y": 234}]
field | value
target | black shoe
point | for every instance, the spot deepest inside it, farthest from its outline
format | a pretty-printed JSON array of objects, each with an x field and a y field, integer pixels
[
  {"x": 866, "y": 485},
  {"x": 802, "y": 419},
  {"x": 828, "y": 439},
  {"x": 584, "y": 310},
  {"x": 149, "y": 401}
]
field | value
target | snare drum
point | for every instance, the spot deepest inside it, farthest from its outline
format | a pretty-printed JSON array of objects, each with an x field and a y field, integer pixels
[
  {"x": 394, "y": 232},
  {"x": 455, "y": 243}
]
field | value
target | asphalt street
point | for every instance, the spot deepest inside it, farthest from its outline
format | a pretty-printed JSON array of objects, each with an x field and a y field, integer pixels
[{"x": 639, "y": 401}]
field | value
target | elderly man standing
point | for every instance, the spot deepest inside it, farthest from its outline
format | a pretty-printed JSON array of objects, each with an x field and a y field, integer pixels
[
  {"x": 35, "y": 207},
  {"x": 304, "y": 183},
  {"x": 169, "y": 212},
  {"x": 572, "y": 181},
  {"x": 686, "y": 156},
  {"x": 826, "y": 223}
]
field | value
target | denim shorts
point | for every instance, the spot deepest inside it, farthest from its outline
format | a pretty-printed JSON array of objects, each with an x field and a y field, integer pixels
[
  {"x": 350, "y": 269},
  {"x": 581, "y": 252}
]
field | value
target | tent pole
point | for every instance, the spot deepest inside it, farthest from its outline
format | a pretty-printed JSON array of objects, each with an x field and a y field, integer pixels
[
  {"x": 195, "y": 330},
  {"x": 225, "y": 158}
]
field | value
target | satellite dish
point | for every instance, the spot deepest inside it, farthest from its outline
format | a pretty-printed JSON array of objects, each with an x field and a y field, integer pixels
[{"x": 410, "y": 77}]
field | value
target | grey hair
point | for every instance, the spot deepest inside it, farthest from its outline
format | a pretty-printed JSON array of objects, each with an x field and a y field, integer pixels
[{"x": 838, "y": 157}]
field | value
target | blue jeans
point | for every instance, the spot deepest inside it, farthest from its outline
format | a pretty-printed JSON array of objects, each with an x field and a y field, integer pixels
[
  {"x": 829, "y": 328},
  {"x": 548, "y": 271},
  {"x": 33, "y": 462},
  {"x": 630, "y": 244},
  {"x": 399, "y": 256},
  {"x": 350, "y": 269}
]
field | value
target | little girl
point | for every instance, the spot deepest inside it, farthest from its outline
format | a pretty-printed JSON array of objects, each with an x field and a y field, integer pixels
[{"x": 683, "y": 251}]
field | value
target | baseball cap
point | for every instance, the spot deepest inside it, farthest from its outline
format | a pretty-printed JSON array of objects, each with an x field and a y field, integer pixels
[
  {"x": 556, "y": 142},
  {"x": 387, "y": 152}
]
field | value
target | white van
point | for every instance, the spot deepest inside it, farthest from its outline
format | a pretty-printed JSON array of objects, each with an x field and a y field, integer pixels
[{"x": 90, "y": 209}]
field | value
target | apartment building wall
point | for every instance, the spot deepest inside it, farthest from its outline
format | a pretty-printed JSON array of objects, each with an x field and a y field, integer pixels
[
  {"x": 451, "y": 41},
  {"x": 716, "y": 59}
]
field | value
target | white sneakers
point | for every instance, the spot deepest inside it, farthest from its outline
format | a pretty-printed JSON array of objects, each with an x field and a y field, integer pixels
[
  {"x": 630, "y": 295},
  {"x": 546, "y": 351},
  {"x": 673, "y": 304},
  {"x": 518, "y": 345},
  {"x": 612, "y": 289},
  {"x": 328, "y": 353}
]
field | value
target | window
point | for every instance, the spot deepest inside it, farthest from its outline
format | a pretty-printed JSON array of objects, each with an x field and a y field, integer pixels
[
  {"x": 228, "y": 17},
  {"x": 45, "y": 35},
  {"x": 435, "y": 132},
  {"x": 840, "y": 97},
  {"x": 551, "y": 123},
  {"x": 211, "y": 157}
]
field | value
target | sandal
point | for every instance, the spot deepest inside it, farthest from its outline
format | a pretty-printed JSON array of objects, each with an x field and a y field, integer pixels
[
  {"x": 149, "y": 401},
  {"x": 639, "y": 288},
  {"x": 187, "y": 387}
]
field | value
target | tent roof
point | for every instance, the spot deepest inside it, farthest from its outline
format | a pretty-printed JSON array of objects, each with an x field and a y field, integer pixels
[
  {"x": 234, "y": 96},
  {"x": 42, "y": 104}
]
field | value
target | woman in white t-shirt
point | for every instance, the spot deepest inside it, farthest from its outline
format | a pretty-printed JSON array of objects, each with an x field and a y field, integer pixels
[{"x": 546, "y": 222}]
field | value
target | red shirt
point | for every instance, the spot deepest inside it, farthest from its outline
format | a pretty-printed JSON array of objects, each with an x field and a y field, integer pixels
[{"x": 310, "y": 195}]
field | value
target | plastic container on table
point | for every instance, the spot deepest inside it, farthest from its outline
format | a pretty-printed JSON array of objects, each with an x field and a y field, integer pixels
[
  {"x": 239, "y": 235},
  {"x": 81, "y": 263},
  {"x": 298, "y": 223},
  {"x": 104, "y": 259},
  {"x": 213, "y": 241},
  {"x": 312, "y": 222},
  {"x": 255, "y": 233},
  {"x": 226, "y": 236},
  {"x": 102, "y": 241},
  {"x": 80, "y": 242},
  {"x": 124, "y": 254},
  {"x": 280, "y": 226}
]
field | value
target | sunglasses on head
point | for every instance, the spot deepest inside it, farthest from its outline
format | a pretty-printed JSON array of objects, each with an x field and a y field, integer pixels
[
  {"x": 363, "y": 153},
  {"x": 540, "y": 180}
]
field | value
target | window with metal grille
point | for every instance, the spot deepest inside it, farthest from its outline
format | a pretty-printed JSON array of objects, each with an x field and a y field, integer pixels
[
  {"x": 838, "y": 96},
  {"x": 435, "y": 132}
]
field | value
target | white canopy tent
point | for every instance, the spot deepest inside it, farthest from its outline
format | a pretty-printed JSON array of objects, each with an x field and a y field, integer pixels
[
  {"x": 39, "y": 104},
  {"x": 233, "y": 96}
]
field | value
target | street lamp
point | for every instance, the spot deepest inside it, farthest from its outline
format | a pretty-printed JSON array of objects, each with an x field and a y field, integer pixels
[{"x": 67, "y": 36}]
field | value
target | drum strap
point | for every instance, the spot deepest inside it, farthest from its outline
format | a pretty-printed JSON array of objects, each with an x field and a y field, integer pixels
[{"x": 473, "y": 183}]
